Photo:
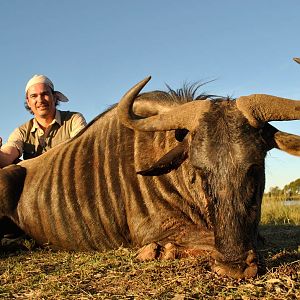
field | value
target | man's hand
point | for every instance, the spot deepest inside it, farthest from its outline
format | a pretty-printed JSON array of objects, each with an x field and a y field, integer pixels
[{"x": 8, "y": 154}]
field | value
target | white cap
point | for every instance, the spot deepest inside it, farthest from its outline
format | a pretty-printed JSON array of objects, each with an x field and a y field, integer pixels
[{"x": 43, "y": 79}]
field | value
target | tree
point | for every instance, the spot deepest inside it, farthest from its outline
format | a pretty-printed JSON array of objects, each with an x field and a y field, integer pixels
[
  {"x": 289, "y": 191},
  {"x": 275, "y": 192},
  {"x": 293, "y": 188}
]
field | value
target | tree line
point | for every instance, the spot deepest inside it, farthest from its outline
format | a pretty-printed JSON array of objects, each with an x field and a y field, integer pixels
[{"x": 289, "y": 191}]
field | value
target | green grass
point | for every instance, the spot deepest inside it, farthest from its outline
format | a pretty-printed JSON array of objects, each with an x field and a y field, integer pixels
[
  {"x": 275, "y": 212},
  {"x": 44, "y": 274}
]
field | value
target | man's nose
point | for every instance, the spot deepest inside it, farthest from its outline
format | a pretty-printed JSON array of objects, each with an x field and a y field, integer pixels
[{"x": 40, "y": 98}]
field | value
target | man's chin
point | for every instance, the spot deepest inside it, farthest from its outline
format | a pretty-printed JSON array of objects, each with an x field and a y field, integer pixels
[{"x": 43, "y": 112}]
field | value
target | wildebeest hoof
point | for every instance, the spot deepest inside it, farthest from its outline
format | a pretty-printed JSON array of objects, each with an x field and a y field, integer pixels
[
  {"x": 236, "y": 272},
  {"x": 156, "y": 251},
  {"x": 148, "y": 252},
  {"x": 169, "y": 251}
]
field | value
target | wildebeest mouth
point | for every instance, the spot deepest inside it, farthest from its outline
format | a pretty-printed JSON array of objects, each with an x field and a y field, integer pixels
[
  {"x": 247, "y": 269},
  {"x": 297, "y": 60}
]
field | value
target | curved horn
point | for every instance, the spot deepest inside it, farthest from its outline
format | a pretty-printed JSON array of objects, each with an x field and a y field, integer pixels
[
  {"x": 259, "y": 108},
  {"x": 183, "y": 116},
  {"x": 152, "y": 103},
  {"x": 297, "y": 60}
]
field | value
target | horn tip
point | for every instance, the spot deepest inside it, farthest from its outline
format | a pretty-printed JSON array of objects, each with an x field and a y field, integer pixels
[
  {"x": 148, "y": 78},
  {"x": 297, "y": 60}
]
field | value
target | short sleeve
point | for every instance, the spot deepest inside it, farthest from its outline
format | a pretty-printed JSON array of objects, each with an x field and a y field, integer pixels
[{"x": 78, "y": 123}]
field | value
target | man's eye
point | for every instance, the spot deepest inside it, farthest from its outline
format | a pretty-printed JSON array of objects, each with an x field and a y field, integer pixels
[{"x": 32, "y": 96}]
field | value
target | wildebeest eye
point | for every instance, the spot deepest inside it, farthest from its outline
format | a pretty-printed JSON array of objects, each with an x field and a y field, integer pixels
[{"x": 180, "y": 134}]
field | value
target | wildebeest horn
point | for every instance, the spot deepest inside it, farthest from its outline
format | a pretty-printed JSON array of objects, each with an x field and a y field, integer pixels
[
  {"x": 260, "y": 108},
  {"x": 297, "y": 59},
  {"x": 183, "y": 116}
]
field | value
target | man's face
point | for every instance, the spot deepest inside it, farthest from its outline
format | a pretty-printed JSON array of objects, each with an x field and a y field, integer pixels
[{"x": 41, "y": 100}]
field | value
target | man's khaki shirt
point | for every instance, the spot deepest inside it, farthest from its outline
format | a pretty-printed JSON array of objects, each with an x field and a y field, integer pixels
[{"x": 31, "y": 140}]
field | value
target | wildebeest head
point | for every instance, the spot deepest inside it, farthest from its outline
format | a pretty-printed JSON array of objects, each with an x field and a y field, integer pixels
[{"x": 226, "y": 142}]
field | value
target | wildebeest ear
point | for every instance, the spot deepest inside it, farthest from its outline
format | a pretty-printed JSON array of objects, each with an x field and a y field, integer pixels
[
  {"x": 284, "y": 141},
  {"x": 287, "y": 142},
  {"x": 170, "y": 161}
]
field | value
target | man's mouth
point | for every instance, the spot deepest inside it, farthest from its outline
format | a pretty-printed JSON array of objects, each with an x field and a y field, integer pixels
[{"x": 43, "y": 107}]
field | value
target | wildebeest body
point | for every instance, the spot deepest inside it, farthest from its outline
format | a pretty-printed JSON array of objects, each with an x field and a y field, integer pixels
[
  {"x": 199, "y": 185},
  {"x": 85, "y": 194}
]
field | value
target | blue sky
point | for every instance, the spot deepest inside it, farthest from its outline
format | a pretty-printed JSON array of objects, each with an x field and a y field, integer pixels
[{"x": 95, "y": 50}]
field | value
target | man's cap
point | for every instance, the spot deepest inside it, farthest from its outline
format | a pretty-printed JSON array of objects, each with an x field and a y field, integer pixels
[{"x": 44, "y": 79}]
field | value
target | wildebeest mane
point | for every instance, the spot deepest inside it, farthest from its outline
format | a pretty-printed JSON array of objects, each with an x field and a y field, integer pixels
[{"x": 189, "y": 93}]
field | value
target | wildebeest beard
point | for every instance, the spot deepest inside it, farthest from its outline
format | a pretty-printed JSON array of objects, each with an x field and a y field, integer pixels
[{"x": 231, "y": 164}]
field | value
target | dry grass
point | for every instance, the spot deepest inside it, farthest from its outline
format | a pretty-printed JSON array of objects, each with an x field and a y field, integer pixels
[
  {"x": 276, "y": 212},
  {"x": 44, "y": 274}
]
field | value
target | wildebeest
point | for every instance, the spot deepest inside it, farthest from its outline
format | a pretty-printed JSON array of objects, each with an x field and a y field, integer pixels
[{"x": 173, "y": 176}]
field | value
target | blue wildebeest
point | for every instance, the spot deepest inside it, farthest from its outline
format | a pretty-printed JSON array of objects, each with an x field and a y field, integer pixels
[{"x": 171, "y": 175}]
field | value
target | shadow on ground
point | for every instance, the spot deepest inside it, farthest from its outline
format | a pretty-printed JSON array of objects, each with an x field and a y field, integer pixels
[{"x": 281, "y": 244}]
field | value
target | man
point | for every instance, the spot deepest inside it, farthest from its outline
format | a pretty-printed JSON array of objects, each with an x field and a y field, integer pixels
[{"x": 48, "y": 128}]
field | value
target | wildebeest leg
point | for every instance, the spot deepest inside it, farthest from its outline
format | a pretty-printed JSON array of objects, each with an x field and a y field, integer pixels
[
  {"x": 189, "y": 241},
  {"x": 11, "y": 186},
  {"x": 171, "y": 251}
]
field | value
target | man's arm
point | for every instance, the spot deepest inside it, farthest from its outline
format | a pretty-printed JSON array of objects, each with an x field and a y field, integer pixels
[
  {"x": 12, "y": 149},
  {"x": 8, "y": 154}
]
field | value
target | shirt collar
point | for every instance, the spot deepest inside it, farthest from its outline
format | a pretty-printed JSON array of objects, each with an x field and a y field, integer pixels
[{"x": 57, "y": 119}]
